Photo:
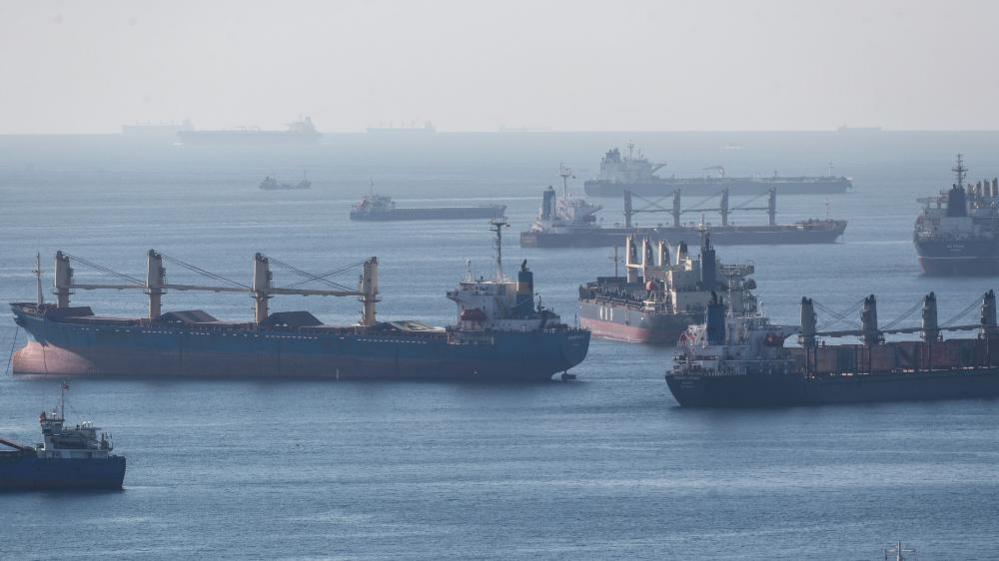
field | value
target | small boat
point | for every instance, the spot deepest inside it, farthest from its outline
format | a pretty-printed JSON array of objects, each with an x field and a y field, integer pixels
[{"x": 71, "y": 457}]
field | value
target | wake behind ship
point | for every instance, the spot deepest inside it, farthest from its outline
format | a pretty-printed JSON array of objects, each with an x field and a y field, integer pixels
[{"x": 500, "y": 335}]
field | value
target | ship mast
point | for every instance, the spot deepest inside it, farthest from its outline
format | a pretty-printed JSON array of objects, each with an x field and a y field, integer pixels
[
  {"x": 960, "y": 170},
  {"x": 497, "y": 225},
  {"x": 897, "y": 552},
  {"x": 38, "y": 279},
  {"x": 566, "y": 173}
]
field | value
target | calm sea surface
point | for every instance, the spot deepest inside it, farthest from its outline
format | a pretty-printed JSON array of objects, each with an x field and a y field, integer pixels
[{"x": 607, "y": 467}]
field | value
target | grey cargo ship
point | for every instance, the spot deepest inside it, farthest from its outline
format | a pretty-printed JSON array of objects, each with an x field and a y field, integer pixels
[
  {"x": 957, "y": 232},
  {"x": 634, "y": 172},
  {"x": 570, "y": 221},
  {"x": 742, "y": 361}
]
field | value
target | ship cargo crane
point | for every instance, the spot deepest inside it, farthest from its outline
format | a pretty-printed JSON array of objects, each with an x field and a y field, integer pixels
[
  {"x": 677, "y": 211},
  {"x": 262, "y": 289}
]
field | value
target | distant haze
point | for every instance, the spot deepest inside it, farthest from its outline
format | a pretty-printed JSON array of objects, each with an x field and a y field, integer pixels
[{"x": 83, "y": 67}]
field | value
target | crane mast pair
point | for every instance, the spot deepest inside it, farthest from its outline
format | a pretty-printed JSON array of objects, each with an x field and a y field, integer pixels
[{"x": 262, "y": 288}]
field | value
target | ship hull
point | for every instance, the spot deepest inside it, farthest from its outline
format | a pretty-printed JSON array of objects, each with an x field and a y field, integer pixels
[
  {"x": 467, "y": 213},
  {"x": 825, "y": 232},
  {"x": 628, "y": 325},
  {"x": 26, "y": 471},
  {"x": 782, "y": 390},
  {"x": 66, "y": 348},
  {"x": 972, "y": 257},
  {"x": 708, "y": 186}
]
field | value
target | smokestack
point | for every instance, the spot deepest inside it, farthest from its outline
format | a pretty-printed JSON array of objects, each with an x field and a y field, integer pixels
[
  {"x": 525, "y": 290},
  {"x": 931, "y": 331},
  {"x": 989, "y": 313},
  {"x": 261, "y": 287},
  {"x": 646, "y": 260},
  {"x": 662, "y": 257},
  {"x": 715, "y": 320},
  {"x": 630, "y": 259},
  {"x": 155, "y": 274},
  {"x": 369, "y": 291},
  {"x": 548, "y": 204},
  {"x": 63, "y": 279},
  {"x": 709, "y": 266},
  {"x": 869, "y": 321},
  {"x": 808, "y": 322}
]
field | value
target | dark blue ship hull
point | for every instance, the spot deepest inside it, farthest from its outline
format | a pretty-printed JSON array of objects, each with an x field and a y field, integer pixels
[
  {"x": 969, "y": 257},
  {"x": 781, "y": 390},
  {"x": 23, "y": 470},
  {"x": 104, "y": 347}
]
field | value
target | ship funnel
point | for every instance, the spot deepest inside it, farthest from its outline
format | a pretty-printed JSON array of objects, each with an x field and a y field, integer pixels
[
  {"x": 808, "y": 323},
  {"x": 369, "y": 291},
  {"x": 715, "y": 320},
  {"x": 261, "y": 286},
  {"x": 931, "y": 330},
  {"x": 662, "y": 257},
  {"x": 628, "y": 209},
  {"x": 631, "y": 259},
  {"x": 869, "y": 321},
  {"x": 772, "y": 206},
  {"x": 525, "y": 290},
  {"x": 63, "y": 279},
  {"x": 957, "y": 202},
  {"x": 709, "y": 265},
  {"x": 548, "y": 204},
  {"x": 989, "y": 313},
  {"x": 646, "y": 260},
  {"x": 155, "y": 276}
]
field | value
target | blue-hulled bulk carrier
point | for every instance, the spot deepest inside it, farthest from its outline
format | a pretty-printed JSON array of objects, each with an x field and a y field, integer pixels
[{"x": 500, "y": 334}]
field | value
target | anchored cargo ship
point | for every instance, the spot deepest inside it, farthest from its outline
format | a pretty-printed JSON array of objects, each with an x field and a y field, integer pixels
[
  {"x": 570, "y": 221},
  {"x": 741, "y": 361},
  {"x": 298, "y": 132},
  {"x": 957, "y": 232},
  {"x": 659, "y": 298},
  {"x": 634, "y": 172},
  {"x": 382, "y": 208},
  {"x": 272, "y": 184},
  {"x": 69, "y": 458},
  {"x": 499, "y": 335}
]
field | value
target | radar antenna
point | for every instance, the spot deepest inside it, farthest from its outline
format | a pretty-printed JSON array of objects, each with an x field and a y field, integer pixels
[
  {"x": 960, "y": 171},
  {"x": 497, "y": 225}
]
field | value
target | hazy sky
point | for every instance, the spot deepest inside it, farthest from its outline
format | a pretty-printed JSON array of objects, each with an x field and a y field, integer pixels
[{"x": 88, "y": 66}]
